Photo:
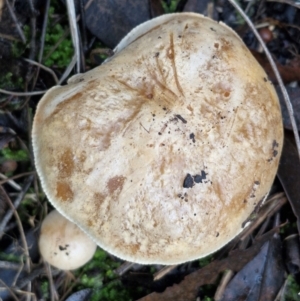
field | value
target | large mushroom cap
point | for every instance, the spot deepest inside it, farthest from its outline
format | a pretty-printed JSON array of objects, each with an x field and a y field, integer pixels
[{"x": 162, "y": 153}]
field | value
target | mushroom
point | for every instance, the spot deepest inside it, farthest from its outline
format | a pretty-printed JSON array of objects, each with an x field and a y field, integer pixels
[
  {"x": 161, "y": 153},
  {"x": 63, "y": 244}
]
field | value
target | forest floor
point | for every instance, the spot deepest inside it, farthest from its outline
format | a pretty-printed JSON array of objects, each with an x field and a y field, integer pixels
[{"x": 37, "y": 53}]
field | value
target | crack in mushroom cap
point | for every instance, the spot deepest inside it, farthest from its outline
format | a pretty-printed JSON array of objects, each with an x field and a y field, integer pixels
[{"x": 163, "y": 152}]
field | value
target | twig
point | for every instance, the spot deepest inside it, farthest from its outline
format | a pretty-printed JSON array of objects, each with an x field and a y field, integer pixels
[
  {"x": 10, "y": 291},
  {"x": 74, "y": 31},
  {"x": 17, "y": 202},
  {"x": 33, "y": 12},
  {"x": 22, "y": 93},
  {"x": 27, "y": 293},
  {"x": 165, "y": 270},
  {"x": 272, "y": 205},
  {"x": 83, "y": 24},
  {"x": 9, "y": 265},
  {"x": 122, "y": 269},
  {"x": 44, "y": 68},
  {"x": 44, "y": 30},
  {"x": 226, "y": 277},
  {"x": 276, "y": 72},
  {"x": 68, "y": 69},
  {"x": 8, "y": 37},
  {"x": 10, "y": 182},
  {"x": 37, "y": 272},
  {"x": 24, "y": 174},
  {"x": 42, "y": 42},
  {"x": 21, "y": 230},
  {"x": 13, "y": 16},
  {"x": 53, "y": 292}
]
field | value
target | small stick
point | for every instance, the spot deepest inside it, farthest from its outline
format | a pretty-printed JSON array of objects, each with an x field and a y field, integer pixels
[
  {"x": 22, "y": 93},
  {"x": 164, "y": 271},
  {"x": 44, "y": 68},
  {"x": 74, "y": 31},
  {"x": 13, "y": 16},
  {"x": 276, "y": 72}
]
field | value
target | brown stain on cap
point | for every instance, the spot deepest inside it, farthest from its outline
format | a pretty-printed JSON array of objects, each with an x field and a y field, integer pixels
[
  {"x": 64, "y": 191},
  {"x": 66, "y": 164},
  {"x": 115, "y": 183}
]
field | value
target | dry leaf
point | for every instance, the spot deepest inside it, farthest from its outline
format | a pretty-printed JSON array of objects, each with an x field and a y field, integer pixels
[
  {"x": 187, "y": 289},
  {"x": 261, "y": 278},
  {"x": 292, "y": 253},
  {"x": 288, "y": 174},
  {"x": 294, "y": 94},
  {"x": 289, "y": 73},
  {"x": 110, "y": 21}
]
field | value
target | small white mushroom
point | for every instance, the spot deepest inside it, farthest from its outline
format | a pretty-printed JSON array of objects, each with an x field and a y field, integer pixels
[
  {"x": 163, "y": 152},
  {"x": 63, "y": 244}
]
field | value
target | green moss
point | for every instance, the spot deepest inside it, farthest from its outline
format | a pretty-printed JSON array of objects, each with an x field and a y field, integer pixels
[
  {"x": 62, "y": 55},
  {"x": 205, "y": 261},
  {"x": 99, "y": 275},
  {"x": 45, "y": 290},
  {"x": 17, "y": 155},
  {"x": 58, "y": 45},
  {"x": 18, "y": 48},
  {"x": 170, "y": 8},
  {"x": 10, "y": 81},
  {"x": 10, "y": 257},
  {"x": 292, "y": 289}
]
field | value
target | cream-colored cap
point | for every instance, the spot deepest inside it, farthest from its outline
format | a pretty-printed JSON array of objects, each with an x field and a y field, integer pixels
[
  {"x": 63, "y": 244},
  {"x": 163, "y": 152}
]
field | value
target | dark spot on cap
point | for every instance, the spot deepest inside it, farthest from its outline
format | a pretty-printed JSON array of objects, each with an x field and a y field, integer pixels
[
  {"x": 275, "y": 144},
  {"x": 192, "y": 136},
  {"x": 265, "y": 80},
  {"x": 217, "y": 234},
  {"x": 156, "y": 54},
  {"x": 181, "y": 118},
  {"x": 61, "y": 248},
  {"x": 188, "y": 181},
  {"x": 199, "y": 178},
  {"x": 274, "y": 150},
  {"x": 256, "y": 182}
]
